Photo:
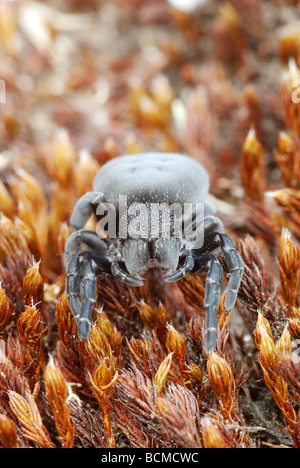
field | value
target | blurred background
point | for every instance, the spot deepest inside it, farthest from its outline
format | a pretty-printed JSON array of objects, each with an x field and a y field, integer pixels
[{"x": 177, "y": 75}]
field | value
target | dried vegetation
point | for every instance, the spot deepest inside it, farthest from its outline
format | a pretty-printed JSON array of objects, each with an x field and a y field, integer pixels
[{"x": 86, "y": 81}]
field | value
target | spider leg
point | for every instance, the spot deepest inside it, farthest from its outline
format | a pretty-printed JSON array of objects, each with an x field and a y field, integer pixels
[
  {"x": 211, "y": 302},
  {"x": 88, "y": 295},
  {"x": 72, "y": 287},
  {"x": 122, "y": 276},
  {"x": 78, "y": 241},
  {"x": 213, "y": 224},
  {"x": 81, "y": 287},
  {"x": 83, "y": 240},
  {"x": 212, "y": 295},
  {"x": 219, "y": 242},
  {"x": 215, "y": 243},
  {"x": 204, "y": 222},
  {"x": 186, "y": 268},
  {"x": 85, "y": 206},
  {"x": 235, "y": 265},
  {"x": 210, "y": 224},
  {"x": 83, "y": 268}
]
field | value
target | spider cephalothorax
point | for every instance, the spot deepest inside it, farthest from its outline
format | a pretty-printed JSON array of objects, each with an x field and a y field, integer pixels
[{"x": 152, "y": 214}]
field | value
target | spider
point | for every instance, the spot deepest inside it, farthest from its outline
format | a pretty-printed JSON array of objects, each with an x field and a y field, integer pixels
[{"x": 136, "y": 239}]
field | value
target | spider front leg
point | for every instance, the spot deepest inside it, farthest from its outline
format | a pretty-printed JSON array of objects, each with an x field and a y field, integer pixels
[
  {"x": 86, "y": 259},
  {"x": 81, "y": 287},
  {"x": 85, "y": 206}
]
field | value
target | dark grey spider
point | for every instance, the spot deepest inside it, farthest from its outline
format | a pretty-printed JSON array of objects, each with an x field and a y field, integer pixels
[{"x": 148, "y": 180}]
